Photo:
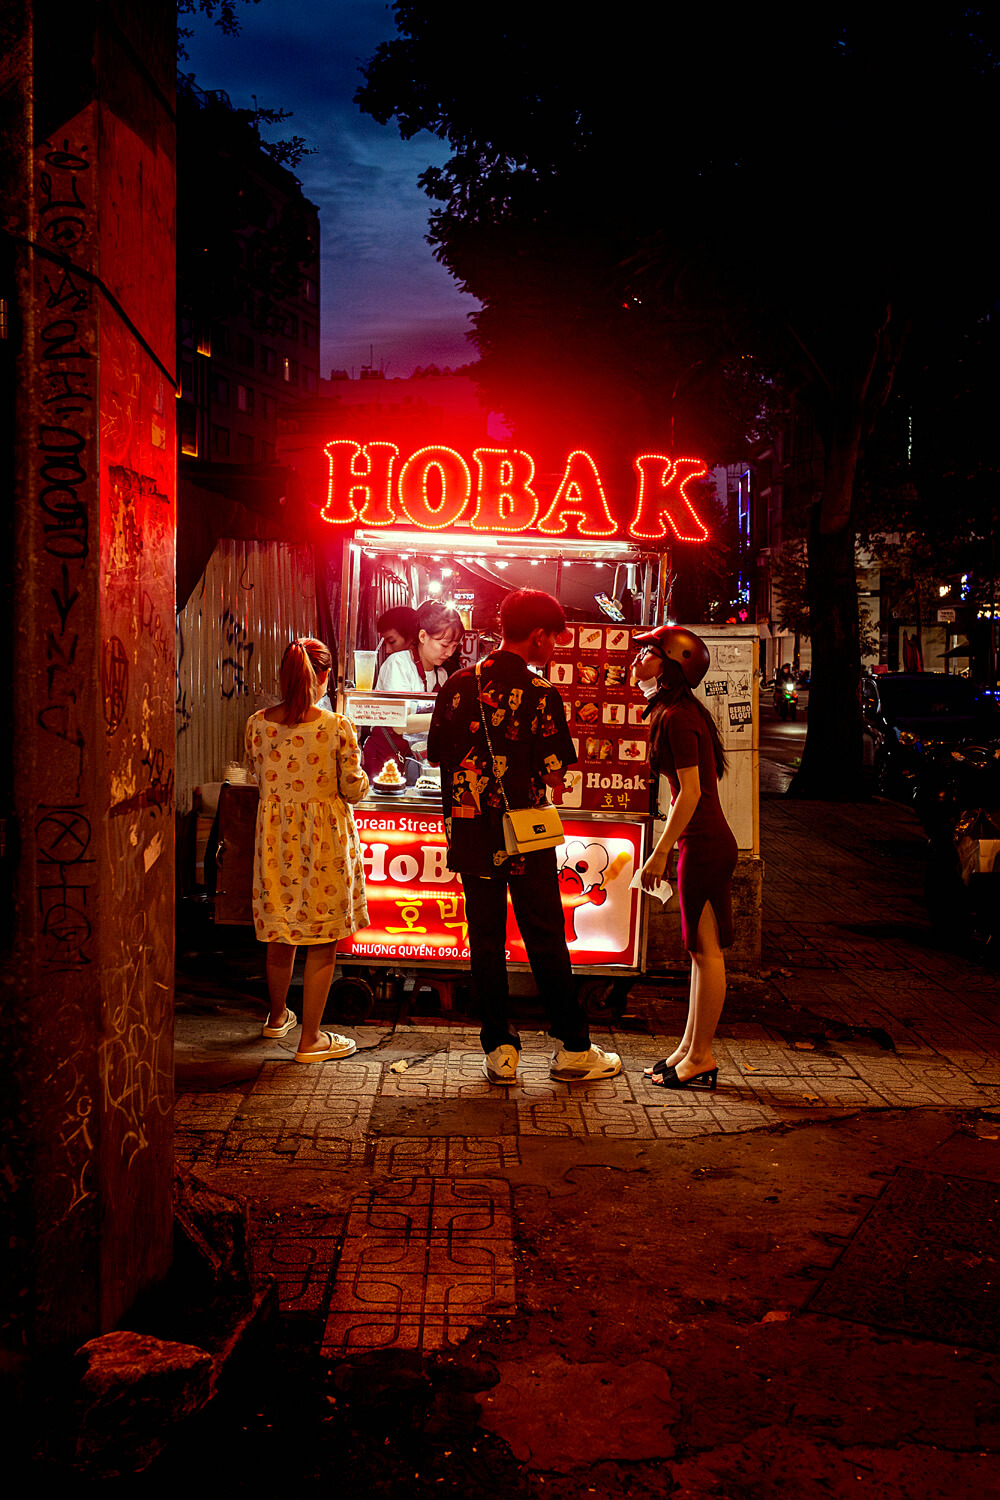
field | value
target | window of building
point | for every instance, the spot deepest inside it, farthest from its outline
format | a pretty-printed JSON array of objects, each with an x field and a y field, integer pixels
[
  {"x": 310, "y": 290},
  {"x": 290, "y": 327},
  {"x": 268, "y": 361},
  {"x": 244, "y": 349},
  {"x": 244, "y": 447},
  {"x": 220, "y": 441},
  {"x": 290, "y": 371},
  {"x": 244, "y": 398},
  {"x": 266, "y": 452},
  {"x": 268, "y": 407},
  {"x": 187, "y": 427},
  {"x": 187, "y": 378},
  {"x": 310, "y": 335},
  {"x": 309, "y": 379},
  {"x": 218, "y": 387}
]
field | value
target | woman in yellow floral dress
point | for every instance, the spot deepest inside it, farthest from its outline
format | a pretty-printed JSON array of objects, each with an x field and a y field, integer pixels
[{"x": 308, "y": 886}]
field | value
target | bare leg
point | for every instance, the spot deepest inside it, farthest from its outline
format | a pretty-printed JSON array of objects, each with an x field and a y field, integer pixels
[
  {"x": 707, "y": 997},
  {"x": 320, "y": 961},
  {"x": 684, "y": 1045},
  {"x": 279, "y": 966}
]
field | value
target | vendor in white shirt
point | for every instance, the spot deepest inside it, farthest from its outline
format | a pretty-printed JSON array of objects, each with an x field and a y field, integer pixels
[{"x": 420, "y": 667}]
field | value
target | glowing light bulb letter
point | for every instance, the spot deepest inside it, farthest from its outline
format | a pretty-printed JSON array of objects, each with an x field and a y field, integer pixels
[
  {"x": 434, "y": 503},
  {"x": 505, "y": 500},
  {"x": 363, "y": 493},
  {"x": 580, "y": 494},
  {"x": 662, "y": 496}
]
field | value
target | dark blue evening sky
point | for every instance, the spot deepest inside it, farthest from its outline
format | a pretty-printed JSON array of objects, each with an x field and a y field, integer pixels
[{"x": 382, "y": 289}]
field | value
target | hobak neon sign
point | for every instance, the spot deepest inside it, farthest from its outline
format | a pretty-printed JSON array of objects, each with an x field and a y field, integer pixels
[{"x": 434, "y": 490}]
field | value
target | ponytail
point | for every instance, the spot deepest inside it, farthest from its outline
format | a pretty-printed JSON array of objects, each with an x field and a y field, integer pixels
[{"x": 304, "y": 661}]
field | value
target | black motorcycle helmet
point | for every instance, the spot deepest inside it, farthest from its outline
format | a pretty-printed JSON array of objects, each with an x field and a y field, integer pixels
[{"x": 681, "y": 646}]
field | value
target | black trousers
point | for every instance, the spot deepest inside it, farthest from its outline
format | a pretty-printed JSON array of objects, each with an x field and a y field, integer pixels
[{"x": 535, "y": 899}]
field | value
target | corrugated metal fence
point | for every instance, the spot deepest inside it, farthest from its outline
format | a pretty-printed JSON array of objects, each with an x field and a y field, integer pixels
[{"x": 255, "y": 597}]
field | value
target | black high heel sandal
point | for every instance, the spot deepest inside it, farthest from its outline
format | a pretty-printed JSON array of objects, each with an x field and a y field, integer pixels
[
  {"x": 661, "y": 1067},
  {"x": 707, "y": 1080}
]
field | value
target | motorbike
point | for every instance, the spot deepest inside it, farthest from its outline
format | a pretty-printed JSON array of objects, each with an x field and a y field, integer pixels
[
  {"x": 956, "y": 796},
  {"x": 786, "y": 698}
]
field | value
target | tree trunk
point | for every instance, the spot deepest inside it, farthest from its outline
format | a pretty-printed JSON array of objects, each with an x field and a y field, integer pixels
[{"x": 831, "y": 757}]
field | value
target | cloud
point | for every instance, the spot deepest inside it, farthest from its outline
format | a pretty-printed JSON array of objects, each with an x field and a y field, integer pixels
[{"x": 381, "y": 285}]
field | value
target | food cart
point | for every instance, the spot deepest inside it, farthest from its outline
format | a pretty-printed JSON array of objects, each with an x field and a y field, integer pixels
[{"x": 490, "y": 520}]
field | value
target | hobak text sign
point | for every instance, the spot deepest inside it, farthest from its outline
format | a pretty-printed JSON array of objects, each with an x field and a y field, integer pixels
[
  {"x": 416, "y": 904},
  {"x": 436, "y": 488}
]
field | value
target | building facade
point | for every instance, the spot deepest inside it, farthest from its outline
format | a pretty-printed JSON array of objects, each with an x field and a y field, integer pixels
[{"x": 248, "y": 286}]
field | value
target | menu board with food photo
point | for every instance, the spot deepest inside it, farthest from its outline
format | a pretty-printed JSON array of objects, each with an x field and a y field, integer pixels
[{"x": 592, "y": 675}]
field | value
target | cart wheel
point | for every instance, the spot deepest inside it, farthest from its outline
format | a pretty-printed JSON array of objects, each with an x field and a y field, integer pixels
[
  {"x": 351, "y": 999},
  {"x": 597, "y": 996}
]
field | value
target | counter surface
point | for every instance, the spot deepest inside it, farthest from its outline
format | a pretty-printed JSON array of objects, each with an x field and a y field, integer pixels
[{"x": 420, "y": 802}]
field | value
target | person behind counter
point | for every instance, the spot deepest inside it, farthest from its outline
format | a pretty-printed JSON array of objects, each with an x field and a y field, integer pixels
[
  {"x": 397, "y": 628},
  {"x": 420, "y": 668},
  {"x": 685, "y": 747},
  {"x": 308, "y": 882},
  {"x": 530, "y": 725}
]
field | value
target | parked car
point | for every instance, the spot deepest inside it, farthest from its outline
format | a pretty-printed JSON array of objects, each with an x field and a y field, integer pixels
[{"x": 905, "y": 713}]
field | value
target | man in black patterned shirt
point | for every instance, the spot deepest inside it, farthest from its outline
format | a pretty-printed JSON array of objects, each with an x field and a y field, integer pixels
[{"x": 532, "y": 749}]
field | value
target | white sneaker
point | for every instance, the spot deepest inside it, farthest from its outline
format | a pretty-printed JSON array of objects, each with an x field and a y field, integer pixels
[
  {"x": 500, "y": 1065},
  {"x": 581, "y": 1067}
]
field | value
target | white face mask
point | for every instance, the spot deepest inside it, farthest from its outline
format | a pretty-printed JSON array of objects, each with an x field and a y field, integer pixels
[{"x": 648, "y": 686}]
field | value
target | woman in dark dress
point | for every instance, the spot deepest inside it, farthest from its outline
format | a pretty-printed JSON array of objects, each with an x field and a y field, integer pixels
[{"x": 685, "y": 747}]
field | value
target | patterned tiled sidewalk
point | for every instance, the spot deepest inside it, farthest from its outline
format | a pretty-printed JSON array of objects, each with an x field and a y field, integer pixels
[
  {"x": 419, "y": 1248},
  {"x": 311, "y": 1117}
]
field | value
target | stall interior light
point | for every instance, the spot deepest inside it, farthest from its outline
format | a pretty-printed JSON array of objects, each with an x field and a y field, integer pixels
[{"x": 536, "y": 548}]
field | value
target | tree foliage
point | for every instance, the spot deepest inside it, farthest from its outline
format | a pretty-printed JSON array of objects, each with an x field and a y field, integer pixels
[
  {"x": 222, "y": 12},
  {"x": 643, "y": 209},
  {"x": 288, "y": 152},
  {"x": 241, "y": 245}
]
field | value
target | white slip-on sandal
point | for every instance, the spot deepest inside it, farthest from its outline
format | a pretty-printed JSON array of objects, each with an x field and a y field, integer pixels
[
  {"x": 285, "y": 1027},
  {"x": 340, "y": 1046}
]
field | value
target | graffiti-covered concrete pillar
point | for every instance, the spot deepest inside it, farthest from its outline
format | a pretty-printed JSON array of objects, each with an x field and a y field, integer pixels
[{"x": 86, "y": 1009}]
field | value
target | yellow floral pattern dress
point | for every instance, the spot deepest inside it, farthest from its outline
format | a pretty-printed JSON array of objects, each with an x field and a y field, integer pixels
[{"x": 308, "y": 884}]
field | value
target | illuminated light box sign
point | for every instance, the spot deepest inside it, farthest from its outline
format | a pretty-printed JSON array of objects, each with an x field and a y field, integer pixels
[
  {"x": 435, "y": 489},
  {"x": 416, "y": 904}
]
